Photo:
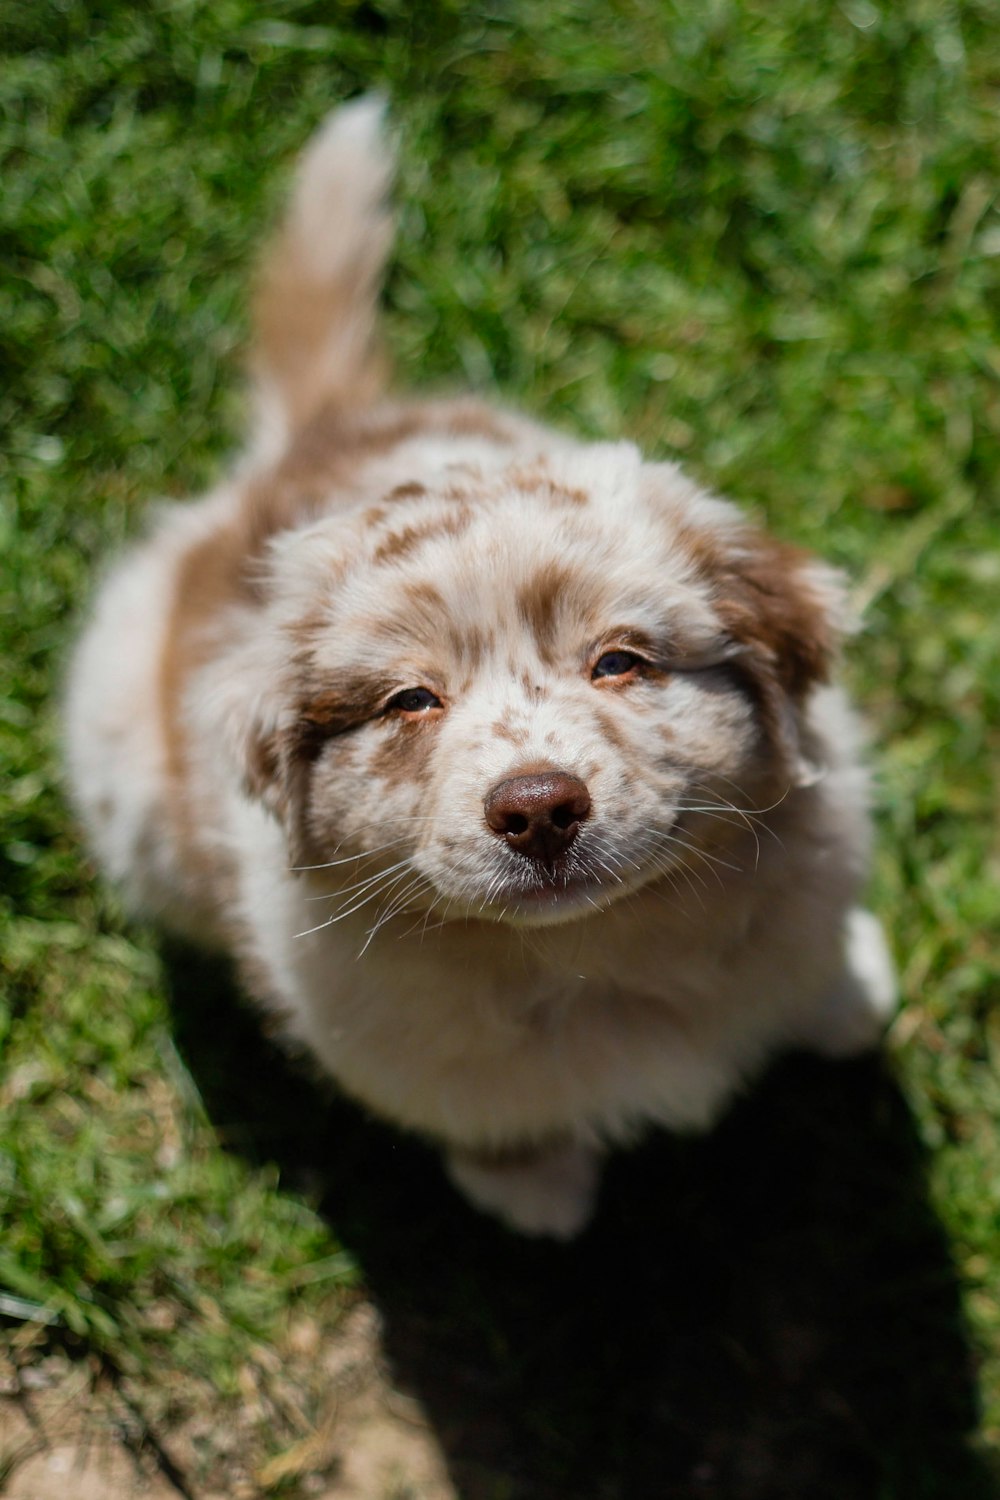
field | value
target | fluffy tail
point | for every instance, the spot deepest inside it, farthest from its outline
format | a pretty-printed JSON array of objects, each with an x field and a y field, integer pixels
[{"x": 316, "y": 298}]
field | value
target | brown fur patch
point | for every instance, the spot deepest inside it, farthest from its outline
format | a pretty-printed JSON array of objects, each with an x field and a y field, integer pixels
[
  {"x": 423, "y": 595},
  {"x": 304, "y": 632},
  {"x": 533, "y": 483},
  {"x": 540, "y": 603},
  {"x": 469, "y": 645},
  {"x": 322, "y": 717},
  {"x": 404, "y": 755},
  {"x": 765, "y": 601},
  {"x": 324, "y": 456},
  {"x": 209, "y": 577},
  {"x": 321, "y": 460},
  {"x": 400, "y": 544},
  {"x": 773, "y": 607},
  {"x": 424, "y": 608},
  {"x": 612, "y": 732},
  {"x": 508, "y": 733}
]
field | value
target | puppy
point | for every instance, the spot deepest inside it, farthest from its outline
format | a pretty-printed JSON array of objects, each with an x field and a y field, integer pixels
[{"x": 507, "y": 766}]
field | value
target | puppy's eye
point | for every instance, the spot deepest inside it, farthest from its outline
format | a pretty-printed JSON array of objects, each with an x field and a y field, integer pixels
[
  {"x": 414, "y": 701},
  {"x": 615, "y": 664}
]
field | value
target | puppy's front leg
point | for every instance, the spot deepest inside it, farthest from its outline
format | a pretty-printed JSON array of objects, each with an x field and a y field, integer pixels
[
  {"x": 539, "y": 1190},
  {"x": 854, "y": 1012}
]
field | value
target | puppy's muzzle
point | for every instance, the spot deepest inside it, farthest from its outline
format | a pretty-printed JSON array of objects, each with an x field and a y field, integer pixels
[{"x": 538, "y": 816}]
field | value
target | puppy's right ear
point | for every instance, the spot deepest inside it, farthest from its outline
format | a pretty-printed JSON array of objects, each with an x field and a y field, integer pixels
[
  {"x": 242, "y": 710},
  {"x": 785, "y": 610},
  {"x": 264, "y": 766},
  {"x": 788, "y": 612}
]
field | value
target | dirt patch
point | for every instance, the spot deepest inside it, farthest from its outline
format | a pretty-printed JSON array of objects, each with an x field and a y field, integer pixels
[{"x": 66, "y": 1430}]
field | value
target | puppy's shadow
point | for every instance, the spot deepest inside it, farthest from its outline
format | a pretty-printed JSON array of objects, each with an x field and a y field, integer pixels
[{"x": 768, "y": 1313}]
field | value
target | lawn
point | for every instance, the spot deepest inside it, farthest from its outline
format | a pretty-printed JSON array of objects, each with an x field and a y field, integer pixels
[{"x": 763, "y": 238}]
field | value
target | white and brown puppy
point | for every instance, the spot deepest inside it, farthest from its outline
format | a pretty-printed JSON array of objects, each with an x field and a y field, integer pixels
[{"x": 508, "y": 766}]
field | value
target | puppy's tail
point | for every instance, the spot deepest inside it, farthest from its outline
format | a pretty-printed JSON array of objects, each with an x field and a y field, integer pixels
[{"x": 316, "y": 297}]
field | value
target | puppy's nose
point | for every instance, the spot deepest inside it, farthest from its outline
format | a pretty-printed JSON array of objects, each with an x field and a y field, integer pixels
[{"x": 539, "y": 816}]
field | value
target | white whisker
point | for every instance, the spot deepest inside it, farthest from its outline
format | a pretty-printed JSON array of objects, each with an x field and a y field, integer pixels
[
  {"x": 365, "y": 853},
  {"x": 397, "y": 904},
  {"x": 388, "y": 881},
  {"x": 344, "y": 893}
]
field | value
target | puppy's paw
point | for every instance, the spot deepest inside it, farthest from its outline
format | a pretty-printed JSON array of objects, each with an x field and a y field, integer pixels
[
  {"x": 855, "y": 1012},
  {"x": 549, "y": 1191}
]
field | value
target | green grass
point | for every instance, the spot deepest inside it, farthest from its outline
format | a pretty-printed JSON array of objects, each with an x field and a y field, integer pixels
[{"x": 761, "y": 237}]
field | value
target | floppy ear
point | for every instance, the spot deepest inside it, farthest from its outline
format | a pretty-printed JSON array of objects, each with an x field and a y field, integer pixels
[
  {"x": 785, "y": 610},
  {"x": 250, "y": 698},
  {"x": 266, "y": 766},
  {"x": 786, "y": 607},
  {"x": 788, "y": 611},
  {"x": 246, "y": 710}
]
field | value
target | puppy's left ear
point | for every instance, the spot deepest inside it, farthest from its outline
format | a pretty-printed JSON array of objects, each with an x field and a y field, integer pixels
[{"x": 789, "y": 613}]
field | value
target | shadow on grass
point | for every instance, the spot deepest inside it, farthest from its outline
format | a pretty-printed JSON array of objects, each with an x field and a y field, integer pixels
[{"x": 769, "y": 1313}]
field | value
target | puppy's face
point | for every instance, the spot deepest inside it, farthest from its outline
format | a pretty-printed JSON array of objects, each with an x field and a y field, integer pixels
[{"x": 524, "y": 697}]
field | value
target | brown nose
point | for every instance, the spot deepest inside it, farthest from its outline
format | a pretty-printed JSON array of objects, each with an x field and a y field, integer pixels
[{"x": 539, "y": 816}]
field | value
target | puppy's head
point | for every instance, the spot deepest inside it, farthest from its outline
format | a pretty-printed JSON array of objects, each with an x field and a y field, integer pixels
[{"x": 523, "y": 696}]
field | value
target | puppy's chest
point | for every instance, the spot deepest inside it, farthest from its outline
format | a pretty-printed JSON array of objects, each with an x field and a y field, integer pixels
[{"x": 515, "y": 995}]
